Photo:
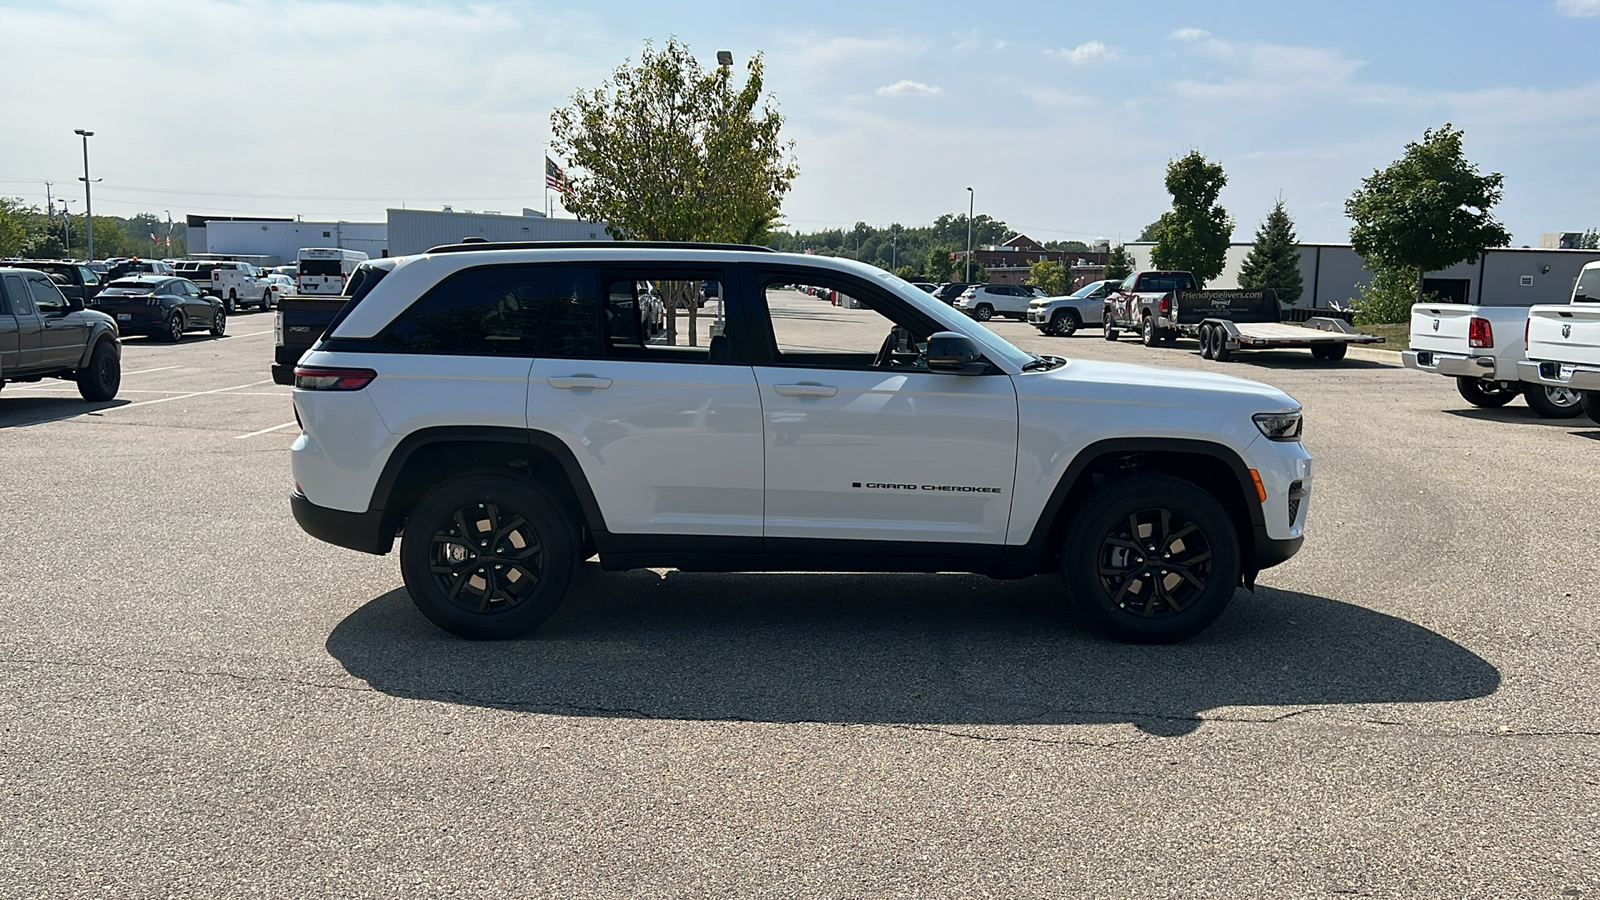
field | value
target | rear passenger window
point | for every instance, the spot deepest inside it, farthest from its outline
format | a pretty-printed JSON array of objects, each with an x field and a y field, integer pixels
[{"x": 505, "y": 311}]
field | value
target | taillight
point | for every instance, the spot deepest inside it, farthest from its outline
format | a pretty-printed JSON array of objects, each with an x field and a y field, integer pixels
[
  {"x": 1166, "y": 304},
  {"x": 311, "y": 378},
  {"x": 1479, "y": 334}
]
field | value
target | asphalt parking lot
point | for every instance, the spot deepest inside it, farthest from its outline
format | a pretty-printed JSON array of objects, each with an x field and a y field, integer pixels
[{"x": 199, "y": 700}]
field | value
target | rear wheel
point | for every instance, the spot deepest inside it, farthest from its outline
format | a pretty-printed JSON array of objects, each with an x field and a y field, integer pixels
[
  {"x": 174, "y": 332},
  {"x": 1206, "y": 350},
  {"x": 266, "y": 301},
  {"x": 99, "y": 380},
  {"x": 983, "y": 313},
  {"x": 1151, "y": 559},
  {"x": 1329, "y": 352},
  {"x": 1219, "y": 344},
  {"x": 1148, "y": 332},
  {"x": 1487, "y": 394},
  {"x": 488, "y": 557},
  {"x": 1064, "y": 323},
  {"x": 1554, "y": 402}
]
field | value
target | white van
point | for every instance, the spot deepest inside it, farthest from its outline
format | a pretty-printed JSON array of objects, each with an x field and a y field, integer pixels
[{"x": 324, "y": 270}]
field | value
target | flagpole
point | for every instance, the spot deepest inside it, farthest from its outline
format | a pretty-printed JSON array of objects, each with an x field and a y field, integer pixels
[{"x": 547, "y": 181}]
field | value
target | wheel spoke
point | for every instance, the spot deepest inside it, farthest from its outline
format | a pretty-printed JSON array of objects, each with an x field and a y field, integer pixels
[
  {"x": 457, "y": 584},
  {"x": 1129, "y": 545},
  {"x": 1166, "y": 597},
  {"x": 505, "y": 531},
  {"x": 488, "y": 591},
  {"x": 1122, "y": 591},
  {"x": 1166, "y": 528}
]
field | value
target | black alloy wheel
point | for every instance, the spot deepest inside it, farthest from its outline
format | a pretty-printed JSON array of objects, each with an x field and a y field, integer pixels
[
  {"x": 100, "y": 379},
  {"x": 1064, "y": 323},
  {"x": 1553, "y": 401},
  {"x": 1486, "y": 394},
  {"x": 1151, "y": 559},
  {"x": 488, "y": 557},
  {"x": 174, "y": 332},
  {"x": 219, "y": 322}
]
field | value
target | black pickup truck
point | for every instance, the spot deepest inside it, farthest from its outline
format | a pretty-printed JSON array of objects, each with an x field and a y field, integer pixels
[
  {"x": 303, "y": 318},
  {"x": 75, "y": 280},
  {"x": 45, "y": 334}
]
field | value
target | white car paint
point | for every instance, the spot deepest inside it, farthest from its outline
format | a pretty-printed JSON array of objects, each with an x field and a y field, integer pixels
[{"x": 1563, "y": 346}]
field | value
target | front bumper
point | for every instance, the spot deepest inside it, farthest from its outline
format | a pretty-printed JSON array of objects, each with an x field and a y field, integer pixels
[
  {"x": 369, "y": 532},
  {"x": 1450, "y": 364},
  {"x": 1568, "y": 375}
]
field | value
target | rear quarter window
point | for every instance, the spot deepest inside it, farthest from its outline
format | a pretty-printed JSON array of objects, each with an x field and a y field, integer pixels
[{"x": 523, "y": 310}]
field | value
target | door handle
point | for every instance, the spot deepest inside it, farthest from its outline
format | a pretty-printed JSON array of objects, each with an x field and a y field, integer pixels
[
  {"x": 805, "y": 389},
  {"x": 580, "y": 383}
]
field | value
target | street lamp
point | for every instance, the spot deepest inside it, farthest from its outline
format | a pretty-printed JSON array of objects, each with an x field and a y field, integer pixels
[
  {"x": 968, "y": 234},
  {"x": 66, "y": 225},
  {"x": 88, "y": 205}
]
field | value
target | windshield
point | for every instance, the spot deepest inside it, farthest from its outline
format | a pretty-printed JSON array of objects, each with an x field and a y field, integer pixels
[
  {"x": 1086, "y": 290},
  {"x": 321, "y": 267},
  {"x": 1588, "y": 289}
]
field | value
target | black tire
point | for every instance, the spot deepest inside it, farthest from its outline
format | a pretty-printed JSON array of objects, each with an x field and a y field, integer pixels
[
  {"x": 174, "y": 330},
  {"x": 1114, "y": 578},
  {"x": 1591, "y": 406},
  {"x": 1553, "y": 402},
  {"x": 1065, "y": 323},
  {"x": 1148, "y": 333},
  {"x": 219, "y": 322},
  {"x": 227, "y": 304},
  {"x": 1487, "y": 394},
  {"x": 99, "y": 380},
  {"x": 1329, "y": 352},
  {"x": 233, "y": 299},
  {"x": 266, "y": 301},
  {"x": 1206, "y": 350},
  {"x": 1219, "y": 344},
  {"x": 983, "y": 313},
  {"x": 442, "y": 573}
]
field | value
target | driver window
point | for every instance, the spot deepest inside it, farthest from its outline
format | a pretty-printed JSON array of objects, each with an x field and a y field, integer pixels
[{"x": 821, "y": 325}]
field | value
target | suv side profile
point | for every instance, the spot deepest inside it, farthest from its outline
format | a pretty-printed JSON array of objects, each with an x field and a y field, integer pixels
[
  {"x": 985, "y": 301},
  {"x": 503, "y": 410}
]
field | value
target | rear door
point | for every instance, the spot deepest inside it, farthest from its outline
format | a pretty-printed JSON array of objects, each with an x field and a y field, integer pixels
[
  {"x": 9, "y": 346},
  {"x": 30, "y": 330}
]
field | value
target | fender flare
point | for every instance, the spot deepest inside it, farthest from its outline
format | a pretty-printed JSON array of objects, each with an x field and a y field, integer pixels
[{"x": 100, "y": 333}]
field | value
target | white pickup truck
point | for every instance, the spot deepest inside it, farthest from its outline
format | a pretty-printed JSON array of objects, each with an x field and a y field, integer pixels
[
  {"x": 1481, "y": 347},
  {"x": 1563, "y": 344}
]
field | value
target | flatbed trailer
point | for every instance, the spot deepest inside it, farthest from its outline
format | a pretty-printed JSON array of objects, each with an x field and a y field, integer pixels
[{"x": 1227, "y": 321}]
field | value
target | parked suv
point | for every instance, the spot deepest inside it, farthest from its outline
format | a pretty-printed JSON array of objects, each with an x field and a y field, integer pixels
[
  {"x": 985, "y": 301},
  {"x": 502, "y": 407}
]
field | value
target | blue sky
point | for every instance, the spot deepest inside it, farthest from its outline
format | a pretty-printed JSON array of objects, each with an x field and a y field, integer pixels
[{"x": 1061, "y": 116}]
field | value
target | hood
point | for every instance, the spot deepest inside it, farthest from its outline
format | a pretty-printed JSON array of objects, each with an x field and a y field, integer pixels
[{"x": 1151, "y": 385}]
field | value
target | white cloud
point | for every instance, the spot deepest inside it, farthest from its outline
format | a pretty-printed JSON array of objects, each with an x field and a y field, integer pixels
[
  {"x": 908, "y": 88},
  {"x": 1086, "y": 53},
  {"x": 1189, "y": 34},
  {"x": 1259, "y": 73},
  {"x": 1581, "y": 9}
]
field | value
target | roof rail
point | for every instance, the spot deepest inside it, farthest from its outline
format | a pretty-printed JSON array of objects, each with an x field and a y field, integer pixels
[{"x": 473, "y": 246}]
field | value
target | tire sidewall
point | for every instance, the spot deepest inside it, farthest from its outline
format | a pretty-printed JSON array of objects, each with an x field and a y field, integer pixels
[
  {"x": 1111, "y": 505},
  {"x": 101, "y": 379},
  {"x": 555, "y": 530},
  {"x": 1538, "y": 397},
  {"x": 983, "y": 313},
  {"x": 1064, "y": 323}
]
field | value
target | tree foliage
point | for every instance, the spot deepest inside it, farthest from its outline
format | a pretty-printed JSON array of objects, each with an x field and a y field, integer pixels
[
  {"x": 1387, "y": 299},
  {"x": 666, "y": 151},
  {"x": 925, "y": 249},
  {"x": 30, "y": 231},
  {"x": 1274, "y": 260},
  {"x": 1118, "y": 263},
  {"x": 1427, "y": 211},
  {"x": 1193, "y": 236},
  {"x": 1590, "y": 240},
  {"x": 1049, "y": 276}
]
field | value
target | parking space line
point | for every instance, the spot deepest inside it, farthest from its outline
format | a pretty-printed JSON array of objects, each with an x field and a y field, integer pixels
[
  {"x": 266, "y": 430},
  {"x": 51, "y": 384},
  {"x": 246, "y": 334},
  {"x": 143, "y": 371},
  {"x": 187, "y": 396}
]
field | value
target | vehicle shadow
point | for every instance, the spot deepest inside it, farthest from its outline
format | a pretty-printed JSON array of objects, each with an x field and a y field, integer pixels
[
  {"x": 18, "y": 410},
  {"x": 1302, "y": 359},
  {"x": 1514, "y": 415},
  {"x": 926, "y": 649}
]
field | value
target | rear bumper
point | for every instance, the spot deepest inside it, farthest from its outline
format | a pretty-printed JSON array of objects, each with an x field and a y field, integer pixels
[
  {"x": 1450, "y": 364},
  {"x": 1567, "y": 375},
  {"x": 367, "y": 531},
  {"x": 283, "y": 374}
]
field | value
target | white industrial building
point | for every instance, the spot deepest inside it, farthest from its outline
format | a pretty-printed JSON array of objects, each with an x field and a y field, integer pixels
[
  {"x": 406, "y": 231},
  {"x": 415, "y": 230},
  {"x": 284, "y": 240},
  {"x": 1503, "y": 276}
]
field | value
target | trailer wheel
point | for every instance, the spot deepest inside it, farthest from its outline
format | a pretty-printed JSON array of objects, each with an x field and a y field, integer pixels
[
  {"x": 1487, "y": 394},
  {"x": 1206, "y": 350},
  {"x": 1553, "y": 402},
  {"x": 1219, "y": 349},
  {"x": 1329, "y": 352}
]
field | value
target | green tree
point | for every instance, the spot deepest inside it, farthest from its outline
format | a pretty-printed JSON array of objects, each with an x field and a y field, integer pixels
[
  {"x": 1049, "y": 276},
  {"x": 1193, "y": 236},
  {"x": 666, "y": 151},
  {"x": 1150, "y": 233},
  {"x": 1427, "y": 211},
  {"x": 1590, "y": 240},
  {"x": 13, "y": 233},
  {"x": 1118, "y": 263},
  {"x": 1274, "y": 261},
  {"x": 1387, "y": 299}
]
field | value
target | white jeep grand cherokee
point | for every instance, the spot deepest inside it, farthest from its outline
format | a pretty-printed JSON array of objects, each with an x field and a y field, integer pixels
[{"x": 501, "y": 407}]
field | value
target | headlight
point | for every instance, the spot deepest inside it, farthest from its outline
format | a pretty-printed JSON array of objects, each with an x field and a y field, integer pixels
[{"x": 1279, "y": 426}]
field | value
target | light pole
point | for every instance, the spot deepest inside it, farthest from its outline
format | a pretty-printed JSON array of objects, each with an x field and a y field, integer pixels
[
  {"x": 66, "y": 226},
  {"x": 894, "y": 250},
  {"x": 968, "y": 234},
  {"x": 88, "y": 205}
]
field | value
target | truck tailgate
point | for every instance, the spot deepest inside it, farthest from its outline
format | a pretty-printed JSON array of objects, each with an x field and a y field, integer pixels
[
  {"x": 1441, "y": 328},
  {"x": 1565, "y": 333}
]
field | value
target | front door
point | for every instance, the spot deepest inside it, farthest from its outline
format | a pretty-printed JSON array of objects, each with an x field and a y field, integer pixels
[{"x": 862, "y": 441}]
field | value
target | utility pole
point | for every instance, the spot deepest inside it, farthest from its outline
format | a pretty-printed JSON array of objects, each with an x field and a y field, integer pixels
[
  {"x": 894, "y": 249},
  {"x": 66, "y": 225},
  {"x": 88, "y": 205},
  {"x": 968, "y": 234}
]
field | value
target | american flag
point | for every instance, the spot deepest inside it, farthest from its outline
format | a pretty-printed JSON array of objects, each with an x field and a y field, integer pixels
[{"x": 553, "y": 176}]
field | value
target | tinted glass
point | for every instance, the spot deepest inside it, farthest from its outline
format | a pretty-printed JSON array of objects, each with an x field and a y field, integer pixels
[
  {"x": 1175, "y": 281},
  {"x": 505, "y": 311},
  {"x": 1588, "y": 289},
  {"x": 45, "y": 296},
  {"x": 329, "y": 267}
]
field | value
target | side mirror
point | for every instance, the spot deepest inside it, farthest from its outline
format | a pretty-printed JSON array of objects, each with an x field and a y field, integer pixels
[
  {"x": 955, "y": 354},
  {"x": 74, "y": 303}
]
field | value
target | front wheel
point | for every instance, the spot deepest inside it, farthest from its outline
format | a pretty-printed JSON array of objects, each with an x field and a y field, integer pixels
[
  {"x": 1487, "y": 394},
  {"x": 1064, "y": 323},
  {"x": 488, "y": 557},
  {"x": 1554, "y": 402},
  {"x": 1148, "y": 333},
  {"x": 983, "y": 313},
  {"x": 1151, "y": 559},
  {"x": 1206, "y": 349},
  {"x": 99, "y": 380}
]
